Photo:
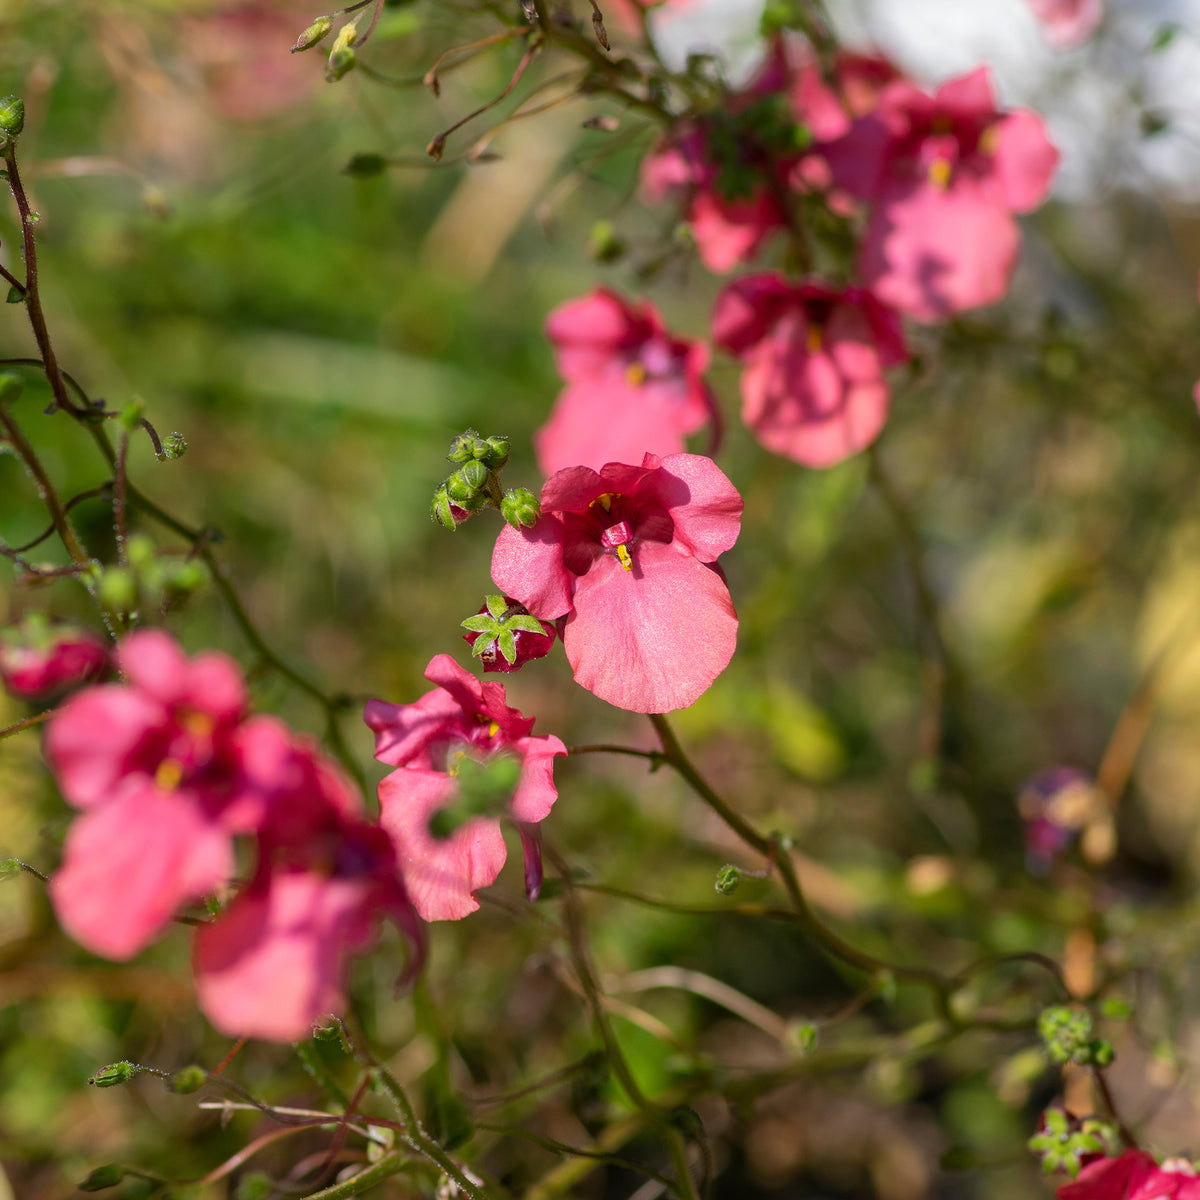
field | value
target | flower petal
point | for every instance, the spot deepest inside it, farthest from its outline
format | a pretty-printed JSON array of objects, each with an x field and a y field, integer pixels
[
  {"x": 527, "y": 564},
  {"x": 705, "y": 507},
  {"x": 652, "y": 639}
]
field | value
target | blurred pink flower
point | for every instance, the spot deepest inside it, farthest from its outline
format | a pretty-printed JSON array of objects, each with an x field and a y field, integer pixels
[
  {"x": 944, "y": 174},
  {"x": 155, "y": 764},
  {"x": 828, "y": 105},
  {"x": 813, "y": 388},
  {"x": 728, "y": 229},
  {"x": 1067, "y": 23},
  {"x": 242, "y": 50},
  {"x": 39, "y": 661},
  {"x": 632, "y": 387},
  {"x": 625, "y": 555},
  {"x": 276, "y": 959},
  {"x": 463, "y": 718},
  {"x": 1135, "y": 1175}
]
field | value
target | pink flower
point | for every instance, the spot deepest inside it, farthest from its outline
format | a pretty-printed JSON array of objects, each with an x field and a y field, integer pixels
[
  {"x": 276, "y": 959},
  {"x": 828, "y": 106},
  {"x": 631, "y": 386},
  {"x": 1135, "y": 1175},
  {"x": 39, "y": 661},
  {"x": 625, "y": 555},
  {"x": 155, "y": 765},
  {"x": 462, "y": 722},
  {"x": 813, "y": 388},
  {"x": 1067, "y": 23},
  {"x": 944, "y": 174}
]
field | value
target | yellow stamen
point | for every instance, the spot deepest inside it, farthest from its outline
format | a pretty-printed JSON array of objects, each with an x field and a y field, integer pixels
[
  {"x": 816, "y": 338},
  {"x": 169, "y": 775},
  {"x": 940, "y": 171},
  {"x": 604, "y": 501},
  {"x": 989, "y": 140},
  {"x": 623, "y": 555},
  {"x": 493, "y": 729},
  {"x": 635, "y": 374},
  {"x": 198, "y": 724}
]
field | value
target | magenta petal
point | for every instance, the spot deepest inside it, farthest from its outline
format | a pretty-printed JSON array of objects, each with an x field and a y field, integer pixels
[
  {"x": 152, "y": 661},
  {"x": 275, "y": 961},
  {"x": 94, "y": 741},
  {"x": 704, "y": 506},
  {"x": 1110, "y": 1178},
  {"x": 130, "y": 863},
  {"x": 536, "y": 793},
  {"x": 967, "y": 97},
  {"x": 527, "y": 564},
  {"x": 1067, "y": 23},
  {"x": 652, "y": 639},
  {"x": 1025, "y": 159},
  {"x": 932, "y": 253},
  {"x": 746, "y": 310},
  {"x": 403, "y": 731},
  {"x": 728, "y": 232},
  {"x": 214, "y": 686},
  {"x": 603, "y": 420},
  {"x": 440, "y": 876},
  {"x": 531, "y": 844}
]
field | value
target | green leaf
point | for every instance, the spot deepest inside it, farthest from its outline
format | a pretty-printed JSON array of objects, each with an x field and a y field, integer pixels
[
  {"x": 497, "y": 606},
  {"x": 508, "y": 645},
  {"x": 481, "y": 624}
]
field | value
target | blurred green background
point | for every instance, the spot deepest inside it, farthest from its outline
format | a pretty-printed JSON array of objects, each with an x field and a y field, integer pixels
[{"x": 318, "y": 336}]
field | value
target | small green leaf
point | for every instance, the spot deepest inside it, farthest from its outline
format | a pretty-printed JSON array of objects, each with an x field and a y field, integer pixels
[{"x": 507, "y": 644}]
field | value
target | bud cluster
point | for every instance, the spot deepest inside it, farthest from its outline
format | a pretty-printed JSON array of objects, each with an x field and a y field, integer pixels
[
  {"x": 476, "y": 484},
  {"x": 1067, "y": 1034},
  {"x": 147, "y": 576}
]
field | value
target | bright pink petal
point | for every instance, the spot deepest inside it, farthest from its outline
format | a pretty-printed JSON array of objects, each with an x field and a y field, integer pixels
[
  {"x": 403, "y": 732},
  {"x": 1110, "y": 1178},
  {"x": 440, "y": 876},
  {"x": 601, "y": 420},
  {"x": 275, "y": 960},
  {"x": 1025, "y": 159},
  {"x": 153, "y": 663},
  {"x": 536, "y": 793},
  {"x": 652, "y": 639},
  {"x": 932, "y": 253},
  {"x": 527, "y": 564},
  {"x": 128, "y": 866},
  {"x": 95, "y": 740},
  {"x": 704, "y": 506}
]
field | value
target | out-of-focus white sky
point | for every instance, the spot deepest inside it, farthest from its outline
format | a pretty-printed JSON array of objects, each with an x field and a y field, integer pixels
[{"x": 1092, "y": 97}]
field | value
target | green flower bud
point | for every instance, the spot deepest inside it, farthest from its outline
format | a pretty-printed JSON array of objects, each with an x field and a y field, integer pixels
[
  {"x": 728, "y": 879},
  {"x": 187, "y": 1080},
  {"x": 185, "y": 577},
  {"x": 1101, "y": 1053},
  {"x": 118, "y": 589},
  {"x": 497, "y": 453},
  {"x": 462, "y": 449},
  {"x": 16, "y": 295},
  {"x": 173, "y": 446},
  {"x": 139, "y": 549},
  {"x": 12, "y": 116},
  {"x": 131, "y": 415},
  {"x": 316, "y": 32},
  {"x": 520, "y": 507},
  {"x": 805, "y": 1036},
  {"x": 341, "y": 63},
  {"x": 441, "y": 510},
  {"x": 1067, "y": 1033},
  {"x": 114, "y": 1074},
  {"x": 604, "y": 243},
  {"x": 101, "y": 1178}
]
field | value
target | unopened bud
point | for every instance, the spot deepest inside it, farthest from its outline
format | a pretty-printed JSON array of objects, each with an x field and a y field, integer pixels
[
  {"x": 728, "y": 879},
  {"x": 316, "y": 32},
  {"x": 462, "y": 449},
  {"x": 131, "y": 416},
  {"x": 341, "y": 63},
  {"x": 118, "y": 589},
  {"x": 441, "y": 510},
  {"x": 12, "y": 116},
  {"x": 520, "y": 507},
  {"x": 114, "y": 1074},
  {"x": 187, "y": 1080},
  {"x": 185, "y": 577},
  {"x": 140, "y": 550},
  {"x": 496, "y": 454},
  {"x": 102, "y": 1177},
  {"x": 464, "y": 485},
  {"x": 173, "y": 446}
]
